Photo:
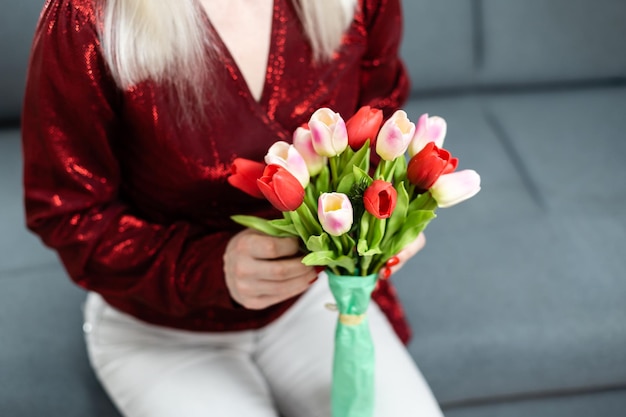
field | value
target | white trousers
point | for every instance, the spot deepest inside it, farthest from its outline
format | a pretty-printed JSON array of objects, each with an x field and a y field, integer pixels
[{"x": 282, "y": 369}]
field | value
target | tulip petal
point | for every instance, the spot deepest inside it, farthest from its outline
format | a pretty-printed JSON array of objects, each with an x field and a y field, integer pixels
[
  {"x": 286, "y": 155},
  {"x": 428, "y": 129},
  {"x": 244, "y": 175},
  {"x": 380, "y": 199},
  {"x": 281, "y": 188},
  {"x": 329, "y": 133},
  {"x": 303, "y": 142},
  {"x": 451, "y": 189},
  {"x": 394, "y": 136},
  {"x": 364, "y": 125},
  {"x": 335, "y": 213}
]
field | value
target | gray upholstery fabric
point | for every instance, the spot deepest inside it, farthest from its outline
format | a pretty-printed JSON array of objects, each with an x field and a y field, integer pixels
[
  {"x": 607, "y": 404},
  {"x": 555, "y": 40},
  {"x": 18, "y": 248},
  {"x": 17, "y": 23},
  {"x": 513, "y": 295},
  {"x": 45, "y": 371},
  {"x": 437, "y": 43}
]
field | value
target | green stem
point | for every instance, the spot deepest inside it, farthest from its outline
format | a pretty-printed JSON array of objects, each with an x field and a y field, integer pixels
[
  {"x": 347, "y": 246},
  {"x": 380, "y": 169},
  {"x": 410, "y": 190},
  {"x": 334, "y": 175},
  {"x": 309, "y": 220},
  {"x": 365, "y": 264}
]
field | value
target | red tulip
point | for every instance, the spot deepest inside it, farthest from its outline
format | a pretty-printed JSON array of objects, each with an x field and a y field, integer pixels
[
  {"x": 281, "y": 188},
  {"x": 364, "y": 125},
  {"x": 380, "y": 199},
  {"x": 244, "y": 174},
  {"x": 428, "y": 165}
]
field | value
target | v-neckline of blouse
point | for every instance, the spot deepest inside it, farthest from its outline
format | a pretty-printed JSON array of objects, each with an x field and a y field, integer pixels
[{"x": 233, "y": 68}]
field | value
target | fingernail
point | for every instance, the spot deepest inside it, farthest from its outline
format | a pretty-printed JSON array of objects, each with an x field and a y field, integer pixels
[
  {"x": 319, "y": 268},
  {"x": 385, "y": 273},
  {"x": 313, "y": 280},
  {"x": 393, "y": 261}
]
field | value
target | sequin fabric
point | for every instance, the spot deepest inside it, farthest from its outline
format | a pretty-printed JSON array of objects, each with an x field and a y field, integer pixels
[{"x": 136, "y": 203}]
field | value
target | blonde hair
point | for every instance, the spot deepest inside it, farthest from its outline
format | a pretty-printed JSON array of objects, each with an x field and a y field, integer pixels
[{"x": 167, "y": 41}]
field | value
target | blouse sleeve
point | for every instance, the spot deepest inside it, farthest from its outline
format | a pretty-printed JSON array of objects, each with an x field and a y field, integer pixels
[
  {"x": 72, "y": 180},
  {"x": 384, "y": 80}
]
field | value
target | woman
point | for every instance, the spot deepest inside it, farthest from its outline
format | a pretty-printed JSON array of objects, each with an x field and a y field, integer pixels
[{"x": 134, "y": 111}]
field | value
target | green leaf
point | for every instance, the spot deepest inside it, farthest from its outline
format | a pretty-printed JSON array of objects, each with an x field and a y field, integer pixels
[
  {"x": 284, "y": 225},
  {"x": 337, "y": 242},
  {"x": 360, "y": 175},
  {"x": 372, "y": 252},
  {"x": 364, "y": 226},
  {"x": 360, "y": 158},
  {"x": 309, "y": 220},
  {"x": 262, "y": 225},
  {"x": 399, "y": 173},
  {"x": 376, "y": 232},
  {"x": 346, "y": 156},
  {"x": 345, "y": 184},
  {"x": 371, "y": 234},
  {"x": 322, "y": 181},
  {"x": 330, "y": 259},
  {"x": 318, "y": 243},
  {"x": 322, "y": 258},
  {"x": 362, "y": 247},
  {"x": 416, "y": 222},
  {"x": 299, "y": 226},
  {"x": 424, "y": 201}
]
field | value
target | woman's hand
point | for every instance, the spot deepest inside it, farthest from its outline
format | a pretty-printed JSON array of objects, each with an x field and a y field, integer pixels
[
  {"x": 263, "y": 270},
  {"x": 398, "y": 261}
]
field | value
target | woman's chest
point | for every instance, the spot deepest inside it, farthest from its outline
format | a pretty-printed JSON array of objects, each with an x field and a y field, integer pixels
[{"x": 176, "y": 167}]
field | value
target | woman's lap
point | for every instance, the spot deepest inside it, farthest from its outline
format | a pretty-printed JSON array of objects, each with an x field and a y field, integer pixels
[{"x": 157, "y": 372}]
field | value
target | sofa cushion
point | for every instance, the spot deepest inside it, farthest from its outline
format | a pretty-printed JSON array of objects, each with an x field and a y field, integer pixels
[
  {"x": 606, "y": 404},
  {"x": 45, "y": 370},
  {"x": 521, "y": 290},
  {"x": 18, "y": 248},
  {"x": 17, "y": 25},
  {"x": 552, "y": 41},
  {"x": 437, "y": 43}
]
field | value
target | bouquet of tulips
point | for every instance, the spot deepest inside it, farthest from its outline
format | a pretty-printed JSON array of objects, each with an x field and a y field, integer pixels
[{"x": 351, "y": 217}]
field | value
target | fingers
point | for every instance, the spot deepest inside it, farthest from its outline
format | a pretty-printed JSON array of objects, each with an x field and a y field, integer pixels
[
  {"x": 270, "y": 270},
  {"x": 273, "y": 292},
  {"x": 396, "y": 262},
  {"x": 259, "y": 290},
  {"x": 261, "y": 271},
  {"x": 266, "y": 247}
]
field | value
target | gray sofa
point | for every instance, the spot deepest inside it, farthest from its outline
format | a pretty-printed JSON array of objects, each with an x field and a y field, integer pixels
[{"x": 518, "y": 303}]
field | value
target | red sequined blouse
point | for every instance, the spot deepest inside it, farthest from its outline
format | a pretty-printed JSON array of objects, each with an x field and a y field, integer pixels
[{"x": 137, "y": 206}]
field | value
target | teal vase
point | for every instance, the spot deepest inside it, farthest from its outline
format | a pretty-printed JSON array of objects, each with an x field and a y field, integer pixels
[{"x": 352, "y": 391}]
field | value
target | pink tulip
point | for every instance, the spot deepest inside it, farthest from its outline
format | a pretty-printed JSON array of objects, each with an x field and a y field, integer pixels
[
  {"x": 328, "y": 129},
  {"x": 303, "y": 142},
  {"x": 451, "y": 189},
  {"x": 335, "y": 213},
  {"x": 428, "y": 129},
  {"x": 394, "y": 137},
  {"x": 283, "y": 154}
]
